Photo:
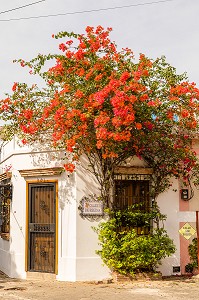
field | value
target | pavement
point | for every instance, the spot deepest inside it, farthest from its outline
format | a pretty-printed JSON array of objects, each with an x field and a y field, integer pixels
[{"x": 174, "y": 288}]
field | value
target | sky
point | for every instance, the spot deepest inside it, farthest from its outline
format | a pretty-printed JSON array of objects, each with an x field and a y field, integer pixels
[{"x": 155, "y": 28}]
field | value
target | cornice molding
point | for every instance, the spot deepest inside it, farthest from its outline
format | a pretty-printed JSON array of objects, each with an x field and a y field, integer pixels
[
  {"x": 133, "y": 170},
  {"x": 41, "y": 172}
]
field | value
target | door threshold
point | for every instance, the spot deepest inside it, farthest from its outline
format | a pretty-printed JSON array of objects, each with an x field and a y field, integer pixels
[{"x": 40, "y": 276}]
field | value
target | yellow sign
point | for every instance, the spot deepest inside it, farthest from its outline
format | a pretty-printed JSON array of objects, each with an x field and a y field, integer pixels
[{"x": 187, "y": 231}]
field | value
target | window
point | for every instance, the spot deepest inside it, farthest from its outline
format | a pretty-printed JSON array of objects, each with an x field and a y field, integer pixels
[
  {"x": 5, "y": 201},
  {"x": 133, "y": 191}
]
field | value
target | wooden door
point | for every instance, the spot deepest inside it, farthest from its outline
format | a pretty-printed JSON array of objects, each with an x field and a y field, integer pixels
[{"x": 42, "y": 227}]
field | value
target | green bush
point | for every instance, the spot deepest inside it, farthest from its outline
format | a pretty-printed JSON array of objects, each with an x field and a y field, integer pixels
[
  {"x": 193, "y": 253},
  {"x": 126, "y": 252}
]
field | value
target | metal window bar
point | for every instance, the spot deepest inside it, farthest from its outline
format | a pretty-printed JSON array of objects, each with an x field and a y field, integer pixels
[{"x": 5, "y": 200}]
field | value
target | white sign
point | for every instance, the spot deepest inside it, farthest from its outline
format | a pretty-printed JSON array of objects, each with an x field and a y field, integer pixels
[{"x": 92, "y": 208}]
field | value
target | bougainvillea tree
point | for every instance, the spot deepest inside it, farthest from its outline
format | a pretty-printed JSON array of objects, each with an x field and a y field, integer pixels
[{"x": 105, "y": 104}]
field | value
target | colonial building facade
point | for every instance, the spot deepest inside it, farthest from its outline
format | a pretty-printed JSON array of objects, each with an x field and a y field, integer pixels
[{"x": 47, "y": 215}]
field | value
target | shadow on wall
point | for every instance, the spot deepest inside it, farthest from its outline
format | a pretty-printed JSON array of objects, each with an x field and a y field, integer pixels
[
  {"x": 66, "y": 189},
  {"x": 48, "y": 159},
  {"x": 82, "y": 179},
  {"x": 87, "y": 183},
  {"x": 7, "y": 263}
]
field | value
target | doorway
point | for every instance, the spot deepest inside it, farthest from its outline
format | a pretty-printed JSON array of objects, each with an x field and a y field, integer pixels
[{"x": 42, "y": 227}]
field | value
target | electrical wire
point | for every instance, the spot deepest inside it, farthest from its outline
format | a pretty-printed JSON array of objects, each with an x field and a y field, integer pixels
[
  {"x": 16, "y": 8},
  {"x": 87, "y": 11}
]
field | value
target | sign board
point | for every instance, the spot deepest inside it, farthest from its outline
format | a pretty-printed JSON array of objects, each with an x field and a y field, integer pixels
[
  {"x": 187, "y": 231},
  {"x": 92, "y": 208}
]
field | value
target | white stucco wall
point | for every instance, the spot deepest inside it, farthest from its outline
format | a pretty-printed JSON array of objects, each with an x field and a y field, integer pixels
[
  {"x": 89, "y": 264},
  {"x": 77, "y": 241},
  {"x": 169, "y": 205}
]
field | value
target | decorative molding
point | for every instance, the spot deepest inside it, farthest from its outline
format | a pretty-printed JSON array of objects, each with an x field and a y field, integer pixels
[
  {"x": 133, "y": 170},
  {"x": 41, "y": 172}
]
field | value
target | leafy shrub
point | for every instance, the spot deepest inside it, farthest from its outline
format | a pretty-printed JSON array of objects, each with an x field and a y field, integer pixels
[
  {"x": 193, "y": 253},
  {"x": 125, "y": 251}
]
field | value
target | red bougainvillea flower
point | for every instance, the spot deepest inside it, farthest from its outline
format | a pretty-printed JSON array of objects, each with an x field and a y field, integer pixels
[
  {"x": 14, "y": 87},
  {"x": 69, "y": 167}
]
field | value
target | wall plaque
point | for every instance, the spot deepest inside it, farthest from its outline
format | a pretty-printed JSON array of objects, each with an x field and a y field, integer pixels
[{"x": 91, "y": 207}]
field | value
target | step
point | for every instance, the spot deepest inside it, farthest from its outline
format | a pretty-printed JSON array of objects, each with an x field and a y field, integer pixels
[{"x": 40, "y": 276}]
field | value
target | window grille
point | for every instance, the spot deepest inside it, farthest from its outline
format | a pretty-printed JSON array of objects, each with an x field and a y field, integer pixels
[{"x": 5, "y": 201}]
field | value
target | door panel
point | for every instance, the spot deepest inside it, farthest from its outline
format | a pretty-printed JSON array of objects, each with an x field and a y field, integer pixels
[
  {"x": 41, "y": 229},
  {"x": 42, "y": 256}
]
